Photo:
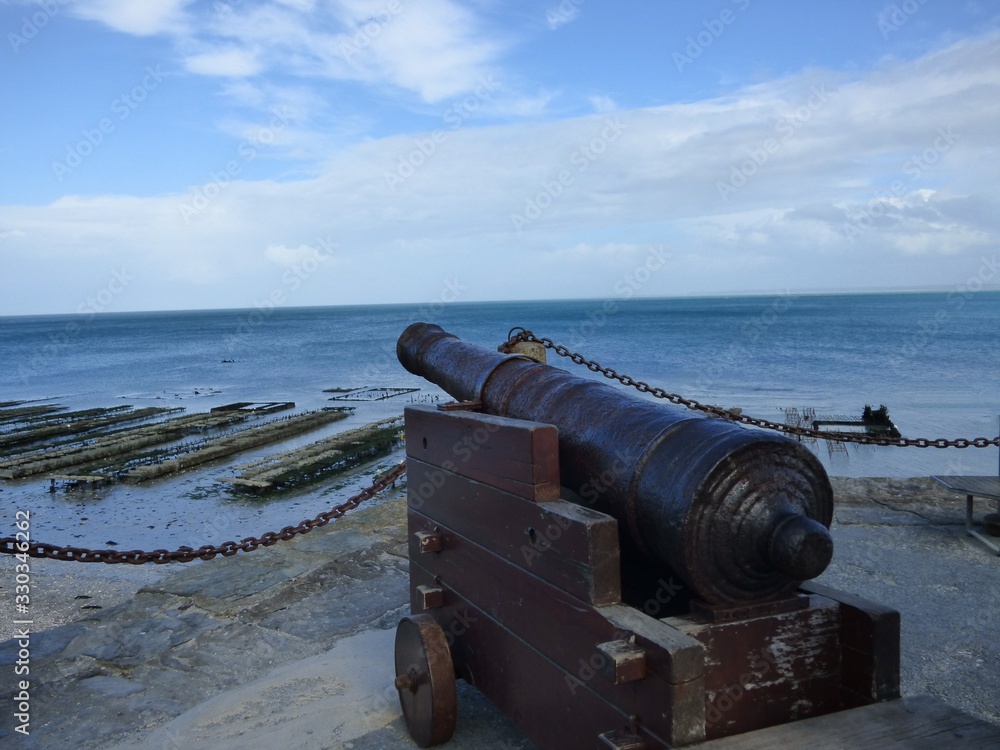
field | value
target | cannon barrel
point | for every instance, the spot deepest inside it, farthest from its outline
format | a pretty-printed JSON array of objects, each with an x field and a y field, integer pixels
[{"x": 739, "y": 515}]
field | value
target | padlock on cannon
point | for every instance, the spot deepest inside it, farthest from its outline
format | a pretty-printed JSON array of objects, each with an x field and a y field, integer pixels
[{"x": 613, "y": 572}]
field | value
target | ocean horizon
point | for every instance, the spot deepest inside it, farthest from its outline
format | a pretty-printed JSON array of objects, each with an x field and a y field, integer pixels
[
  {"x": 91, "y": 311},
  {"x": 932, "y": 358}
]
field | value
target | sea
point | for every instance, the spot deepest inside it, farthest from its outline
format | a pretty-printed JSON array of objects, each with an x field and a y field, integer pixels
[{"x": 932, "y": 358}]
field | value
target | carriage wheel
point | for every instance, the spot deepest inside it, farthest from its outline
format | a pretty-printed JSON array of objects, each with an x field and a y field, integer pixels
[{"x": 425, "y": 679}]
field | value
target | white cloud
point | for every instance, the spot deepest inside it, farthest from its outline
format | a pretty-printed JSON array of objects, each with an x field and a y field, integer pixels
[
  {"x": 300, "y": 54},
  {"x": 144, "y": 18},
  {"x": 602, "y": 103},
  {"x": 231, "y": 62},
  {"x": 289, "y": 256},
  {"x": 517, "y": 106},
  {"x": 815, "y": 148},
  {"x": 435, "y": 49},
  {"x": 563, "y": 13}
]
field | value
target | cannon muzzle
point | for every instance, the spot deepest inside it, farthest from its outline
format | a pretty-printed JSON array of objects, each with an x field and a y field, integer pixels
[{"x": 740, "y": 515}]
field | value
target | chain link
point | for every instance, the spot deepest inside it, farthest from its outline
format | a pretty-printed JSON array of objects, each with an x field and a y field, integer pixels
[
  {"x": 788, "y": 429},
  {"x": 12, "y": 546}
]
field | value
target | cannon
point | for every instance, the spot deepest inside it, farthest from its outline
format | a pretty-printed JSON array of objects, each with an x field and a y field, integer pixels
[
  {"x": 613, "y": 572},
  {"x": 737, "y": 514}
]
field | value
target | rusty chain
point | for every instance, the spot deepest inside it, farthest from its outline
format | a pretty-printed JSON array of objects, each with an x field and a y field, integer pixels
[
  {"x": 788, "y": 429},
  {"x": 12, "y": 546}
]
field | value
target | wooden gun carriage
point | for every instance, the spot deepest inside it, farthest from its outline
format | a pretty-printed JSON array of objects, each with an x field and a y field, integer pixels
[{"x": 613, "y": 573}]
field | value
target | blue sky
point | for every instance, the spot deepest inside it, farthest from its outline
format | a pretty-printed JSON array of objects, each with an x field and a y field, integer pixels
[{"x": 175, "y": 154}]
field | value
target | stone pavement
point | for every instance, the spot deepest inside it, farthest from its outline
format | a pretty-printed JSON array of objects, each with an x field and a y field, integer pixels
[{"x": 291, "y": 646}]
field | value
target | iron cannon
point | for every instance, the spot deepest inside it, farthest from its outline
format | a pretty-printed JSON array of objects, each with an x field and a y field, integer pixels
[
  {"x": 613, "y": 572},
  {"x": 738, "y": 514}
]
